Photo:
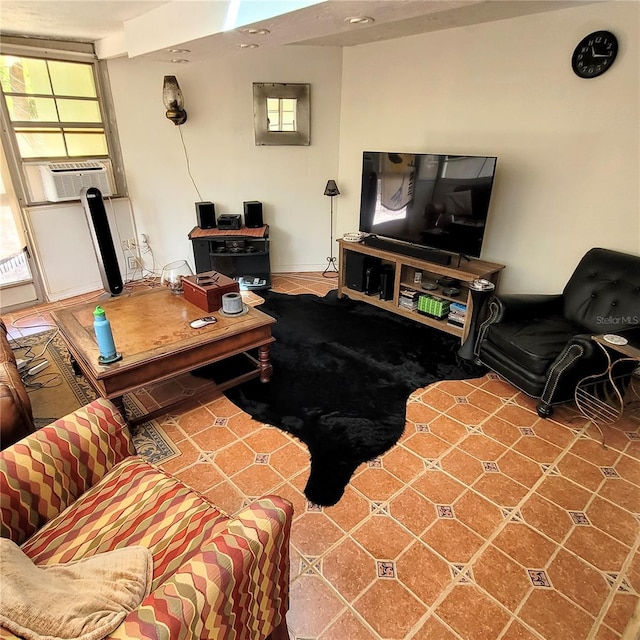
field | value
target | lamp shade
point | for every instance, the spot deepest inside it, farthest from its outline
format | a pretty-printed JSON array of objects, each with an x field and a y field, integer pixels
[
  {"x": 331, "y": 189},
  {"x": 173, "y": 100}
]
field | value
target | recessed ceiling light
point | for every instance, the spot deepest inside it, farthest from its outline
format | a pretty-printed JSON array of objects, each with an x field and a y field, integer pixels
[
  {"x": 359, "y": 20},
  {"x": 179, "y": 50},
  {"x": 179, "y": 60},
  {"x": 244, "y": 45},
  {"x": 252, "y": 31}
]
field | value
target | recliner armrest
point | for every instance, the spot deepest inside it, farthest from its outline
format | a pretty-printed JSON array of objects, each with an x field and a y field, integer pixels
[
  {"x": 235, "y": 587},
  {"x": 580, "y": 354},
  {"x": 521, "y": 306}
]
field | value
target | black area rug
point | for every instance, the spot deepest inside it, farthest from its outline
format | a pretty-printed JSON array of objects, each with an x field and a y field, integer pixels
[{"x": 342, "y": 373}]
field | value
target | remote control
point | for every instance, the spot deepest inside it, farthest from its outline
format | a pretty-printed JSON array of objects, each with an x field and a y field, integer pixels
[{"x": 203, "y": 322}]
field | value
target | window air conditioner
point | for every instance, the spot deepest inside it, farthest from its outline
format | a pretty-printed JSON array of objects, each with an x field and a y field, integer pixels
[{"x": 64, "y": 180}]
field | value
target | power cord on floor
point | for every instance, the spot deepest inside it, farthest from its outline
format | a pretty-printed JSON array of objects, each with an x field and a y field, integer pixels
[
  {"x": 42, "y": 381},
  {"x": 28, "y": 355},
  {"x": 31, "y": 364}
]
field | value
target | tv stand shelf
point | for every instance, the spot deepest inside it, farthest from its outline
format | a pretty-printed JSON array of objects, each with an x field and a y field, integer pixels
[{"x": 404, "y": 270}]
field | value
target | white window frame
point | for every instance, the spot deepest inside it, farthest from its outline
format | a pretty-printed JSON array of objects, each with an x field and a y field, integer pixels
[{"x": 67, "y": 52}]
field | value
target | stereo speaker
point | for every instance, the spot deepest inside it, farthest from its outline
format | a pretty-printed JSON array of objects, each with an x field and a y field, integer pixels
[
  {"x": 206, "y": 212},
  {"x": 386, "y": 282},
  {"x": 98, "y": 223},
  {"x": 357, "y": 265},
  {"x": 372, "y": 280},
  {"x": 253, "y": 214}
]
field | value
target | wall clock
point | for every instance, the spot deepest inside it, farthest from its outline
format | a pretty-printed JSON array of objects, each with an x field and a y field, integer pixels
[{"x": 594, "y": 54}]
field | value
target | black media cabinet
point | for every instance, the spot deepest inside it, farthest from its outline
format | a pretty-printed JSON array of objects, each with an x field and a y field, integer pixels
[{"x": 241, "y": 254}]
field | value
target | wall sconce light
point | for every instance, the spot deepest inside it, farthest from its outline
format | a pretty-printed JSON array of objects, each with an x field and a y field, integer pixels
[
  {"x": 331, "y": 190},
  {"x": 173, "y": 101}
]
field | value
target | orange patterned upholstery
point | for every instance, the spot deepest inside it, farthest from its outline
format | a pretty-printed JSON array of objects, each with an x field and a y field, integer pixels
[
  {"x": 43, "y": 474},
  {"x": 73, "y": 489}
]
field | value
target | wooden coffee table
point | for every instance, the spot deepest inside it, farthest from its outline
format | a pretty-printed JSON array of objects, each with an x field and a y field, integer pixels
[{"x": 151, "y": 330}]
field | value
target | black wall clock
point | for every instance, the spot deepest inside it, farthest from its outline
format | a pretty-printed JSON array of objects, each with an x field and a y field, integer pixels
[{"x": 594, "y": 54}]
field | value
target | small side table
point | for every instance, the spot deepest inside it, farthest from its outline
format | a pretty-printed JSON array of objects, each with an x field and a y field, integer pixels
[{"x": 604, "y": 397}]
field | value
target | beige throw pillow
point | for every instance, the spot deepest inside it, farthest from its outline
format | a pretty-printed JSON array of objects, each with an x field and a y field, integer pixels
[{"x": 84, "y": 599}]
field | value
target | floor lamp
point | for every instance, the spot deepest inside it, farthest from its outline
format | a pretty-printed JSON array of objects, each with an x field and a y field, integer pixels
[{"x": 332, "y": 191}]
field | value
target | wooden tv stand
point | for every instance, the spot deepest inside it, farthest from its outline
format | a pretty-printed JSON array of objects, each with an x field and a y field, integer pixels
[{"x": 405, "y": 268}]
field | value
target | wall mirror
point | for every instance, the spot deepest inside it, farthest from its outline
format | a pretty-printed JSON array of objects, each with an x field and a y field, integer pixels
[{"x": 281, "y": 113}]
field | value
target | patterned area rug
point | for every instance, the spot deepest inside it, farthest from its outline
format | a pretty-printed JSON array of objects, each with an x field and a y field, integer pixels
[{"x": 57, "y": 391}]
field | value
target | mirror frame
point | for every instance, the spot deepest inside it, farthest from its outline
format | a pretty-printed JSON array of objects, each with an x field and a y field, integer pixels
[{"x": 298, "y": 92}]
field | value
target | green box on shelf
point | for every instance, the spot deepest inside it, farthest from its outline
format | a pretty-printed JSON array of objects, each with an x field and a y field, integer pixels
[
  {"x": 423, "y": 303},
  {"x": 433, "y": 307}
]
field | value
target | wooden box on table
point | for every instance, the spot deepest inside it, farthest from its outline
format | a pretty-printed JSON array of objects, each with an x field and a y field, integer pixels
[{"x": 205, "y": 290}]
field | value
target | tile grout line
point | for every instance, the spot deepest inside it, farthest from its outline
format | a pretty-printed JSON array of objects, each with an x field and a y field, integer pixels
[
  {"x": 615, "y": 589},
  {"x": 488, "y": 541},
  {"x": 530, "y": 492},
  {"x": 413, "y": 535},
  {"x": 346, "y": 534},
  {"x": 581, "y": 433},
  {"x": 226, "y": 476},
  {"x": 560, "y": 456},
  {"x": 561, "y": 545},
  {"x": 455, "y": 582}
]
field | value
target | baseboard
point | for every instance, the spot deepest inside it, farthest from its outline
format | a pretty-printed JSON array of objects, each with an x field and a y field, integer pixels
[
  {"x": 71, "y": 293},
  {"x": 298, "y": 268}
]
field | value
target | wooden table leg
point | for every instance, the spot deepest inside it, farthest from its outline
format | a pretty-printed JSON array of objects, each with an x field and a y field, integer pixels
[
  {"x": 74, "y": 366},
  {"x": 119, "y": 402},
  {"x": 265, "y": 366}
]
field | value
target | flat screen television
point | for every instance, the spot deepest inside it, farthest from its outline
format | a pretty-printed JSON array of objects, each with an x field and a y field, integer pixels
[{"x": 435, "y": 201}]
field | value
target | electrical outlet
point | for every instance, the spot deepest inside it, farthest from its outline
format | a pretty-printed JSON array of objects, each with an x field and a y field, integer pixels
[
  {"x": 132, "y": 263},
  {"x": 144, "y": 243}
]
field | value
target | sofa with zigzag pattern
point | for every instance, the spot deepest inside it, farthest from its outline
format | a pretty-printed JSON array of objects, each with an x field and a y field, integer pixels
[{"x": 76, "y": 488}]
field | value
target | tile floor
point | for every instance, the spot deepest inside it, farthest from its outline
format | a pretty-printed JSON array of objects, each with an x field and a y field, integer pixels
[{"x": 484, "y": 522}]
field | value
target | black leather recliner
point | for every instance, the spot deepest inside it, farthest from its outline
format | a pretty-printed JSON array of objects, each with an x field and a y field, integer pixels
[{"x": 542, "y": 343}]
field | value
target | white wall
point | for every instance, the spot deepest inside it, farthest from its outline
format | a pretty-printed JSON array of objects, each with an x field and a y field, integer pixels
[
  {"x": 226, "y": 165},
  {"x": 568, "y": 149}
]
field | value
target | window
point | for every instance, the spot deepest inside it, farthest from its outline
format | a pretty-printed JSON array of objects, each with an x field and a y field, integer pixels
[
  {"x": 54, "y": 110},
  {"x": 53, "y": 107}
]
